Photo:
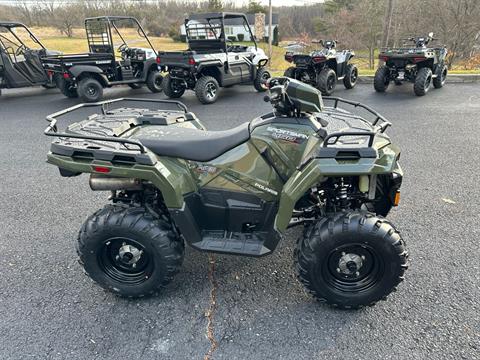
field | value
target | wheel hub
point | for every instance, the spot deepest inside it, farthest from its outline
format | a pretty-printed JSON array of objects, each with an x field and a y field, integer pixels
[
  {"x": 350, "y": 264},
  {"x": 129, "y": 255}
]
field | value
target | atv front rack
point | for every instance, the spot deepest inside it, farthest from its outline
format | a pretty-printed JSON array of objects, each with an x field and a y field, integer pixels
[
  {"x": 52, "y": 129},
  {"x": 378, "y": 118}
]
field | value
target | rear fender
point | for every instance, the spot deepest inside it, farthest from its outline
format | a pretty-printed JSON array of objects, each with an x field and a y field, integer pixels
[
  {"x": 318, "y": 169},
  {"x": 79, "y": 71},
  {"x": 170, "y": 176}
]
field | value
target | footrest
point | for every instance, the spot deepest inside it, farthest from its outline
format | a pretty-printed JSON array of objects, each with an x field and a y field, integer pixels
[{"x": 249, "y": 244}]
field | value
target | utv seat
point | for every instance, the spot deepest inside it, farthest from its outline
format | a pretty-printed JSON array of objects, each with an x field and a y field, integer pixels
[{"x": 192, "y": 144}]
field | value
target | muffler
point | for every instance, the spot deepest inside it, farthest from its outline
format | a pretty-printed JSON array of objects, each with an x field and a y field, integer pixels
[{"x": 104, "y": 183}]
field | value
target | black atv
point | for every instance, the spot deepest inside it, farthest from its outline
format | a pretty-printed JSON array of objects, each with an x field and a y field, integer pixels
[
  {"x": 322, "y": 68},
  {"x": 420, "y": 65},
  {"x": 86, "y": 75},
  {"x": 21, "y": 58}
]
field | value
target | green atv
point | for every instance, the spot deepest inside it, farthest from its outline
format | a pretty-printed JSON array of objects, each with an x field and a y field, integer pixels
[{"x": 238, "y": 191}]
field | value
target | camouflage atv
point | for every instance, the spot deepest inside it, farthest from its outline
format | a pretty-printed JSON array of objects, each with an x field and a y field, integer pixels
[
  {"x": 237, "y": 192},
  {"x": 420, "y": 65}
]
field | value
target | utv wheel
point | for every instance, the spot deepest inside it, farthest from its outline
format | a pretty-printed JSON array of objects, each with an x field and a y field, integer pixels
[
  {"x": 351, "y": 76},
  {"x": 422, "y": 81},
  {"x": 207, "y": 89},
  {"x": 381, "y": 79},
  {"x": 128, "y": 251},
  {"x": 290, "y": 72},
  {"x": 351, "y": 260},
  {"x": 172, "y": 88},
  {"x": 439, "y": 81},
  {"x": 326, "y": 81},
  {"x": 90, "y": 90},
  {"x": 135, "y": 86},
  {"x": 262, "y": 76},
  {"x": 154, "y": 81}
]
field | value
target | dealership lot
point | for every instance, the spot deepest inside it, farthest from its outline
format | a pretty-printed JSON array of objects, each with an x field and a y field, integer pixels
[{"x": 51, "y": 310}]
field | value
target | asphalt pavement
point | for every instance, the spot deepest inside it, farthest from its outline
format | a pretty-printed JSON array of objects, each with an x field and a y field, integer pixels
[{"x": 257, "y": 310}]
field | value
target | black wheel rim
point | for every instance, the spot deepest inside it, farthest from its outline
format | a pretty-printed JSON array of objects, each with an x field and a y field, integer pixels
[
  {"x": 331, "y": 82},
  {"x": 158, "y": 81},
  {"x": 353, "y": 76},
  {"x": 428, "y": 80},
  {"x": 265, "y": 76},
  {"x": 176, "y": 87},
  {"x": 91, "y": 91},
  {"x": 444, "y": 75},
  {"x": 353, "y": 268},
  {"x": 126, "y": 261}
]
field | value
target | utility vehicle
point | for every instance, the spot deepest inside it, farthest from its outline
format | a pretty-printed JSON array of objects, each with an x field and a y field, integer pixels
[
  {"x": 237, "y": 191},
  {"x": 212, "y": 60},
  {"x": 323, "y": 67},
  {"x": 111, "y": 60},
  {"x": 420, "y": 65},
  {"x": 21, "y": 65}
]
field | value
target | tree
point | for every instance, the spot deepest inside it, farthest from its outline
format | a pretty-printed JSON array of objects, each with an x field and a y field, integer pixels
[
  {"x": 215, "y": 5},
  {"x": 255, "y": 7}
]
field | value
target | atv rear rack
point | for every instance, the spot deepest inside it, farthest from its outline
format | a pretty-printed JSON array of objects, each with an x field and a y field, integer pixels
[{"x": 52, "y": 129}]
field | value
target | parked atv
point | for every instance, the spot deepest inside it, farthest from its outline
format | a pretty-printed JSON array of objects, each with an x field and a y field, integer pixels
[
  {"x": 86, "y": 75},
  {"x": 237, "y": 191},
  {"x": 322, "y": 68},
  {"x": 212, "y": 61},
  {"x": 21, "y": 58},
  {"x": 420, "y": 65}
]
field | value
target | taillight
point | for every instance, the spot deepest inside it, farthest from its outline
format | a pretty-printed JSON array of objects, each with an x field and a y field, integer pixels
[
  {"x": 418, "y": 59},
  {"x": 318, "y": 59},
  {"x": 383, "y": 57},
  {"x": 158, "y": 60},
  {"x": 101, "y": 169},
  {"x": 191, "y": 61},
  {"x": 50, "y": 73},
  {"x": 66, "y": 75}
]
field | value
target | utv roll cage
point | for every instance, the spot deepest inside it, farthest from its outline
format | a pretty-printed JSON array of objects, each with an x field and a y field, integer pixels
[
  {"x": 100, "y": 29},
  {"x": 206, "y": 31},
  {"x": 9, "y": 25}
]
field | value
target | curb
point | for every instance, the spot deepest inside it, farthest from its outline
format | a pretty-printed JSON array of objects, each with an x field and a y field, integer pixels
[{"x": 454, "y": 78}]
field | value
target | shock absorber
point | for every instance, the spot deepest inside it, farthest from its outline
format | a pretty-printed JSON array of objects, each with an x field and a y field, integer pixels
[{"x": 342, "y": 194}]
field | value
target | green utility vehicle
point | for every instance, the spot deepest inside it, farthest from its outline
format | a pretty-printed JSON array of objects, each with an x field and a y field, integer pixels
[{"x": 237, "y": 191}]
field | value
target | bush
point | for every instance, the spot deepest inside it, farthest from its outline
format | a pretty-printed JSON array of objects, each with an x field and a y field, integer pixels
[
  {"x": 155, "y": 29},
  {"x": 241, "y": 37},
  {"x": 233, "y": 38}
]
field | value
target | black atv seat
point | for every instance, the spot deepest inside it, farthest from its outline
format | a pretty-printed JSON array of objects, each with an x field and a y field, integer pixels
[{"x": 193, "y": 144}]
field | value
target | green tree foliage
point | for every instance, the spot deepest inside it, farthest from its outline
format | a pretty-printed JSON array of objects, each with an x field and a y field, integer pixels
[
  {"x": 215, "y": 5},
  {"x": 255, "y": 7}
]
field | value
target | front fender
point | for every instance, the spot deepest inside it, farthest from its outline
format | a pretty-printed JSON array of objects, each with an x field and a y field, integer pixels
[{"x": 317, "y": 169}]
